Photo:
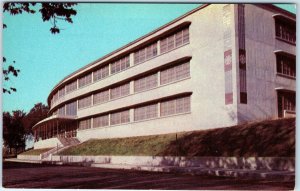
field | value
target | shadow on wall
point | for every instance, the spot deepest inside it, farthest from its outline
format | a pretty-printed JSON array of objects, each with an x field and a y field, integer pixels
[
  {"x": 243, "y": 163},
  {"x": 259, "y": 113}
]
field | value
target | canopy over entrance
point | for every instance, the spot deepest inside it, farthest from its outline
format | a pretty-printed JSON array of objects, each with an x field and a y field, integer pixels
[{"x": 55, "y": 126}]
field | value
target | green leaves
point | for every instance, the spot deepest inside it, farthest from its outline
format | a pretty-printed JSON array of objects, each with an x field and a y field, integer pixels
[{"x": 51, "y": 12}]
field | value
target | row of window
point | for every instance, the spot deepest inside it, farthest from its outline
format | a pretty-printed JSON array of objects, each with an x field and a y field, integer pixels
[
  {"x": 286, "y": 65},
  {"x": 168, "y": 43},
  {"x": 169, "y": 107},
  {"x": 68, "y": 109},
  {"x": 168, "y": 75},
  {"x": 285, "y": 31},
  {"x": 145, "y": 53},
  {"x": 174, "y": 40}
]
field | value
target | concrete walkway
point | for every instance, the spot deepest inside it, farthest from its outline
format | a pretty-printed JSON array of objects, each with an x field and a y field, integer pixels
[{"x": 241, "y": 173}]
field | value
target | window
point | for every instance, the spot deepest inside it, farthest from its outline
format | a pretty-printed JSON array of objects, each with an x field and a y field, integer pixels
[
  {"x": 61, "y": 111},
  {"x": 71, "y": 87},
  {"x": 101, "y": 73},
  {"x": 85, "y": 102},
  {"x": 145, "y": 53},
  {"x": 100, "y": 121},
  {"x": 84, "y": 124},
  {"x": 286, "y": 65},
  {"x": 285, "y": 30},
  {"x": 175, "y": 40},
  {"x": 145, "y": 112},
  {"x": 61, "y": 92},
  {"x": 175, "y": 106},
  {"x": 55, "y": 97},
  {"x": 101, "y": 97},
  {"x": 175, "y": 73},
  {"x": 71, "y": 108},
  {"x": 120, "y": 91},
  {"x": 145, "y": 83},
  {"x": 286, "y": 101},
  {"x": 85, "y": 80},
  {"x": 120, "y": 65},
  {"x": 119, "y": 117}
]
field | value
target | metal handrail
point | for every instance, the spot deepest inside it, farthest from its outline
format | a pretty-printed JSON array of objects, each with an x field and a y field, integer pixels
[{"x": 52, "y": 151}]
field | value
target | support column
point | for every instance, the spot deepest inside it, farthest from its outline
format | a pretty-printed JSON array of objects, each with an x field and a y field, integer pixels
[
  {"x": 57, "y": 127},
  {"x": 158, "y": 78},
  {"x": 109, "y": 69},
  {"x": 158, "y": 109},
  {"x": 131, "y": 87},
  {"x": 131, "y": 59},
  {"x": 131, "y": 115},
  {"x": 158, "y": 47}
]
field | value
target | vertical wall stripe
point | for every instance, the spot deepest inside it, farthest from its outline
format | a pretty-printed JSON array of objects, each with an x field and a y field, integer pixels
[
  {"x": 227, "y": 54},
  {"x": 242, "y": 54}
]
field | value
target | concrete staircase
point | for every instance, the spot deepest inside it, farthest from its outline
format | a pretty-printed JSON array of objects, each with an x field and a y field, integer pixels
[
  {"x": 65, "y": 143},
  {"x": 68, "y": 141}
]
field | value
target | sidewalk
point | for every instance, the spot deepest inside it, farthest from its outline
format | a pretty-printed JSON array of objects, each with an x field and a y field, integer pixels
[{"x": 283, "y": 175}]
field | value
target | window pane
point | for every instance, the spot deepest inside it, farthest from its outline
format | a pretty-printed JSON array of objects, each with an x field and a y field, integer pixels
[
  {"x": 175, "y": 73},
  {"x": 175, "y": 106}
]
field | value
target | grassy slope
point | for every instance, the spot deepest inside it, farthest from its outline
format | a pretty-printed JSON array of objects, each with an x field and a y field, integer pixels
[
  {"x": 35, "y": 151},
  {"x": 267, "y": 138},
  {"x": 146, "y": 145}
]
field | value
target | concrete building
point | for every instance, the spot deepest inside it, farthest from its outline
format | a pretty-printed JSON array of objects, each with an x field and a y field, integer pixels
[{"x": 215, "y": 66}]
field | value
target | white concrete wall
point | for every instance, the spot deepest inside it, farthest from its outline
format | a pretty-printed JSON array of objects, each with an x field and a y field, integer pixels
[
  {"x": 29, "y": 157},
  {"x": 250, "y": 163},
  {"x": 47, "y": 143},
  {"x": 261, "y": 65}
]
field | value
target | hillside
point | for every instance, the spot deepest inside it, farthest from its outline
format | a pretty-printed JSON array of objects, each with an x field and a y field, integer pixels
[{"x": 271, "y": 138}]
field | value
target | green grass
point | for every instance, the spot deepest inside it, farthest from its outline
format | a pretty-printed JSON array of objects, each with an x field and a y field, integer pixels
[
  {"x": 269, "y": 138},
  {"x": 36, "y": 151},
  {"x": 138, "y": 146}
]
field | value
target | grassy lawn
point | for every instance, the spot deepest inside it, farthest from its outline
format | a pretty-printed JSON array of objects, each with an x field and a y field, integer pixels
[
  {"x": 139, "y": 146},
  {"x": 36, "y": 151},
  {"x": 270, "y": 138}
]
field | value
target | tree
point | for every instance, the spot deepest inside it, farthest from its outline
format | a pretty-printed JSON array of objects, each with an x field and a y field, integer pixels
[
  {"x": 50, "y": 12},
  {"x": 13, "y": 130},
  {"x": 17, "y": 127},
  {"x": 36, "y": 114}
]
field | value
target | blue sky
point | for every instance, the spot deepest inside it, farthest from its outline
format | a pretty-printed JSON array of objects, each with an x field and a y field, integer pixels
[{"x": 98, "y": 28}]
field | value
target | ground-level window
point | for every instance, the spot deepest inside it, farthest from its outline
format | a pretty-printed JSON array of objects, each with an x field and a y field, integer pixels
[
  {"x": 175, "y": 106},
  {"x": 101, "y": 121},
  {"x": 286, "y": 101},
  {"x": 286, "y": 65},
  {"x": 119, "y": 117},
  {"x": 145, "y": 112},
  {"x": 84, "y": 124}
]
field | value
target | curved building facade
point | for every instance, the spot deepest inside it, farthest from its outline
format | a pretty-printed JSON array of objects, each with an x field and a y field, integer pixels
[{"x": 217, "y": 65}]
